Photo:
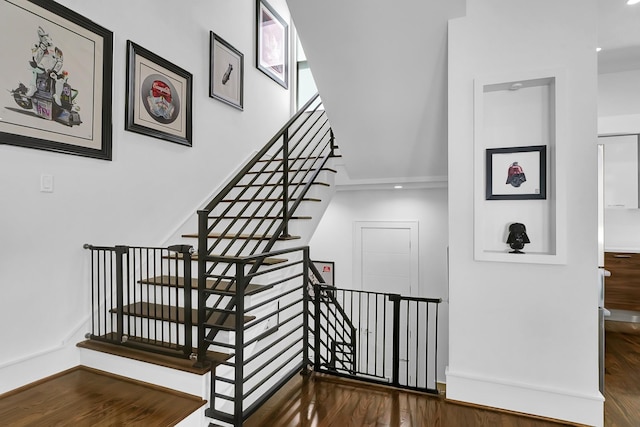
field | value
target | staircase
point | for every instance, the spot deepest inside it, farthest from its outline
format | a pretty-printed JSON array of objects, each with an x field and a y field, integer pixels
[{"x": 236, "y": 304}]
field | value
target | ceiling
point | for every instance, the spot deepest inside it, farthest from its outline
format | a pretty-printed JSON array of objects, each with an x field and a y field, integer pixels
[
  {"x": 618, "y": 36},
  {"x": 381, "y": 68}
]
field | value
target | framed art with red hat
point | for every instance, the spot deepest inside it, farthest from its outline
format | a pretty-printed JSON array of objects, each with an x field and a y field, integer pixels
[{"x": 159, "y": 97}]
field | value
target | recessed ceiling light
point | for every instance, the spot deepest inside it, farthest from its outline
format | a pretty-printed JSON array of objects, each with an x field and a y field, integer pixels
[
  {"x": 397, "y": 187},
  {"x": 633, "y": 1},
  {"x": 598, "y": 49}
]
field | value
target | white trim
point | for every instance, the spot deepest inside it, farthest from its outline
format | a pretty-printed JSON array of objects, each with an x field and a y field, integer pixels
[
  {"x": 553, "y": 402},
  {"x": 347, "y": 184}
]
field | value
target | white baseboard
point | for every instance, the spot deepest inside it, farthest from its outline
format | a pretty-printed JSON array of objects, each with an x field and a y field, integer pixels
[{"x": 547, "y": 402}]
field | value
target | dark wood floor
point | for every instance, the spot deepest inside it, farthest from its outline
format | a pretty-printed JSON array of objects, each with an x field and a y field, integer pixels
[
  {"x": 84, "y": 397},
  {"x": 323, "y": 402},
  {"x": 622, "y": 374}
]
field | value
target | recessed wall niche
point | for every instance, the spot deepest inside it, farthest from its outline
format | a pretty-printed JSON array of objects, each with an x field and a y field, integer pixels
[{"x": 512, "y": 112}]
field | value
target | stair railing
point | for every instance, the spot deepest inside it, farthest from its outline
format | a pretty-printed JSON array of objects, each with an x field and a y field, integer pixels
[
  {"x": 266, "y": 336},
  {"x": 334, "y": 324},
  {"x": 388, "y": 339},
  {"x": 141, "y": 298},
  {"x": 257, "y": 205}
]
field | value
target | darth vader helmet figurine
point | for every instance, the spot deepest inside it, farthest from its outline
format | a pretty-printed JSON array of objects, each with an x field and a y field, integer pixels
[
  {"x": 515, "y": 175},
  {"x": 517, "y": 237}
]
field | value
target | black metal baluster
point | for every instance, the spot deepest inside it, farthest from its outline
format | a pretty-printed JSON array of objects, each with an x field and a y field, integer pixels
[
  {"x": 120, "y": 251},
  {"x": 395, "y": 376}
]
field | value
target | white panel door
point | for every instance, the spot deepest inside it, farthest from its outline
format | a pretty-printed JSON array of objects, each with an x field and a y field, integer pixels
[
  {"x": 386, "y": 257},
  {"x": 386, "y": 261}
]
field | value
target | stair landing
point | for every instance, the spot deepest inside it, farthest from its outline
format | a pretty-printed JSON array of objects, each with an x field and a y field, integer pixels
[
  {"x": 83, "y": 396},
  {"x": 185, "y": 365}
]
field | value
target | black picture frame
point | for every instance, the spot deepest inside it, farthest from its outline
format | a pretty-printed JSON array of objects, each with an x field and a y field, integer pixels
[
  {"x": 65, "y": 104},
  {"x": 226, "y": 72},
  {"x": 516, "y": 173},
  {"x": 326, "y": 270},
  {"x": 158, "y": 97},
  {"x": 272, "y": 44}
]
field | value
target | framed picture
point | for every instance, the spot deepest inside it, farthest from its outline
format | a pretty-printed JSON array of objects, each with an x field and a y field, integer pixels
[
  {"x": 158, "y": 97},
  {"x": 57, "y": 72},
  {"x": 272, "y": 44},
  {"x": 516, "y": 173},
  {"x": 226, "y": 72},
  {"x": 327, "y": 271}
]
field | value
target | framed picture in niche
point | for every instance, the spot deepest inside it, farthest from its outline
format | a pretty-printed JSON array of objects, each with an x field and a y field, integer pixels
[
  {"x": 57, "y": 71},
  {"x": 516, "y": 173},
  {"x": 226, "y": 72},
  {"x": 158, "y": 101},
  {"x": 272, "y": 44}
]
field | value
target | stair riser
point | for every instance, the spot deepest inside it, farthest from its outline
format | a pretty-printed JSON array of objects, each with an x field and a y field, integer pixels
[{"x": 150, "y": 373}]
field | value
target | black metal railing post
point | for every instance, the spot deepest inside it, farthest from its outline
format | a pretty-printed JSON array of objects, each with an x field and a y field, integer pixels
[
  {"x": 285, "y": 183},
  {"x": 201, "y": 358},
  {"x": 186, "y": 251},
  {"x": 120, "y": 253},
  {"x": 395, "y": 375},
  {"x": 305, "y": 309},
  {"x": 239, "y": 345},
  {"x": 332, "y": 143},
  {"x": 316, "y": 327}
]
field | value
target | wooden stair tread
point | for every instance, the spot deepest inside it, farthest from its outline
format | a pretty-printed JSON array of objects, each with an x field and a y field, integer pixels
[
  {"x": 240, "y": 236},
  {"x": 265, "y": 261},
  {"x": 176, "y": 314},
  {"x": 280, "y": 159},
  {"x": 185, "y": 365},
  {"x": 277, "y": 184},
  {"x": 291, "y": 170},
  {"x": 222, "y": 286},
  {"x": 305, "y": 199},
  {"x": 256, "y": 218}
]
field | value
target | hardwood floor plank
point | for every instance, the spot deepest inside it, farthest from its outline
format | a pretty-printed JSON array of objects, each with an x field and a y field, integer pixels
[
  {"x": 87, "y": 397},
  {"x": 323, "y": 401},
  {"x": 622, "y": 374}
]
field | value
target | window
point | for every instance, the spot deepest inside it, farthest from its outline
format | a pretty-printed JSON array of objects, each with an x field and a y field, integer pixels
[{"x": 305, "y": 85}]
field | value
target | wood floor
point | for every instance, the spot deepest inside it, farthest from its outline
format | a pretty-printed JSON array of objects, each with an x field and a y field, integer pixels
[
  {"x": 84, "y": 397},
  {"x": 323, "y": 402},
  {"x": 622, "y": 374}
]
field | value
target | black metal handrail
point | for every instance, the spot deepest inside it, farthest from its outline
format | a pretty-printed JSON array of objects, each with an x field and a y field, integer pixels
[{"x": 141, "y": 297}]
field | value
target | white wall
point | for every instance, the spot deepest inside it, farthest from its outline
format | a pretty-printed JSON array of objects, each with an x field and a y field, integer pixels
[
  {"x": 619, "y": 112},
  {"x": 524, "y": 337},
  {"x": 619, "y": 93},
  {"x": 149, "y": 188},
  {"x": 334, "y": 239}
]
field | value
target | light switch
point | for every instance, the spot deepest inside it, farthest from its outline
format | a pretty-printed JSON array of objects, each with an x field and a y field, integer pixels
[{"x": 46, "y": 183}]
